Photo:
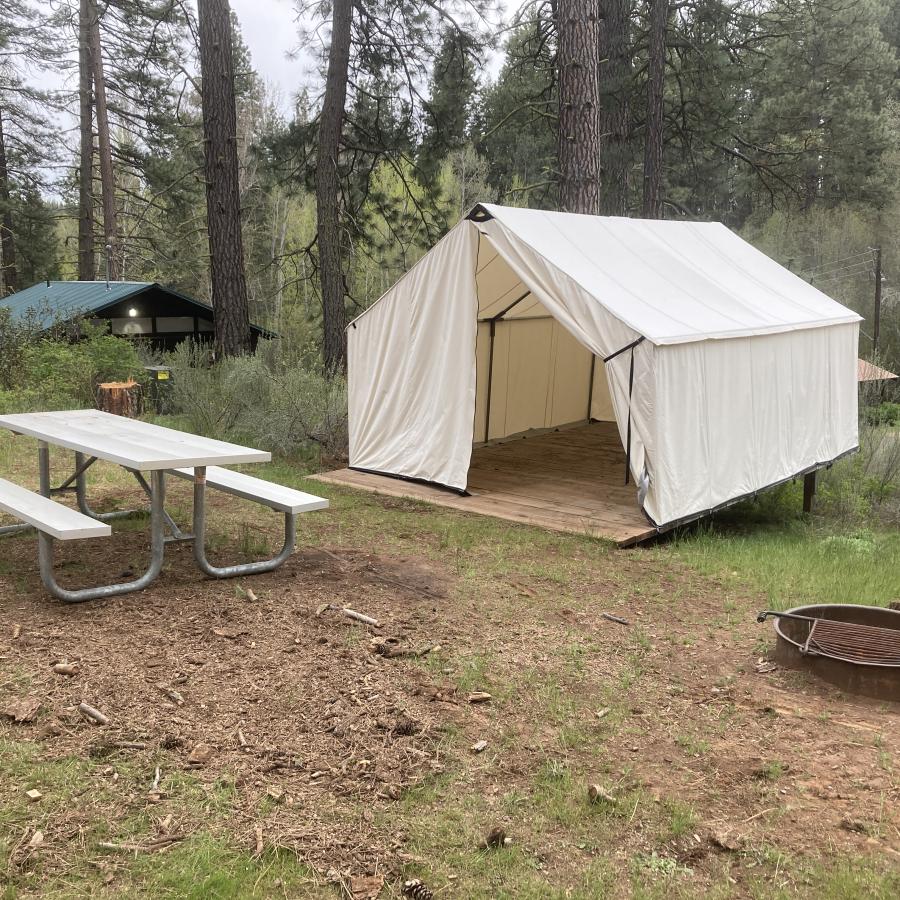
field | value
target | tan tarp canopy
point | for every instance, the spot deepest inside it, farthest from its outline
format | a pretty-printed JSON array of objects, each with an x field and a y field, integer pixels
[{"x": 725, "y": 372}]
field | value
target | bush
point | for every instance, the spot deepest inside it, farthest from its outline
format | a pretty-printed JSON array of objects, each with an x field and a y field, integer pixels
[
  {"x": 882, "y": 414},
  {"x": 867, "y": 484},
  {"x": 281, "y": 403},
  {"x": 40, "y": 372}
]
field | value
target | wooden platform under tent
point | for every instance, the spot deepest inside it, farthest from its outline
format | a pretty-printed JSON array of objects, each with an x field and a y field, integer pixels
[{"x": 569, "y": 479}]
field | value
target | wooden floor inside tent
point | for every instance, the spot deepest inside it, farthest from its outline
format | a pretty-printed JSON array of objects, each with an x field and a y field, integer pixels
[{"x": 568, "y": 480}]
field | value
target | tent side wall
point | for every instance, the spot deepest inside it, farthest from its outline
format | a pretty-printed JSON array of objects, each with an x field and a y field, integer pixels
[
  {"x": 411, "y": 369},
  {"x": 739, "y": 415}
]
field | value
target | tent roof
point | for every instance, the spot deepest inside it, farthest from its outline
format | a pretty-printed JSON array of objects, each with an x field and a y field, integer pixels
[
  {"x": 670, "y": 281},
  {"x": 48, "y": 302}
]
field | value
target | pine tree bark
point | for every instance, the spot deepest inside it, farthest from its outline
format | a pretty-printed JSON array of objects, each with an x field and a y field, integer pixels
[
  {"x": 223, "y": 200},
  {"x": 652, "y": 207},
  {"x": 615, "y": 69},
  {"x": 9, "y": 280},
  {"x": 578, "y": 63},
  {"x": 104, "y": 148},
  {"x": 86, "y": 269},
  {"x": 331, "y": 122}
]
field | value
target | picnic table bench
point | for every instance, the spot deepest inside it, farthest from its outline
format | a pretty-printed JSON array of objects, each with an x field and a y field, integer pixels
[{"x": 138, "y": 447}]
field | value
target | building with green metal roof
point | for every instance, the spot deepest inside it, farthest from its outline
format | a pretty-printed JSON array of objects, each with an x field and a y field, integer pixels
[{"x": 134, "y": 309}]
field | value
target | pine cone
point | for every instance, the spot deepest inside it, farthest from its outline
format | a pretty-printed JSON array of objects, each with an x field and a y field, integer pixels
[{"x": 416, "y": 889}]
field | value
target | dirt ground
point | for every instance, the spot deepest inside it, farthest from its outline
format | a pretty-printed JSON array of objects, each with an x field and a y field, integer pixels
[{"x": 712, "y": 757}]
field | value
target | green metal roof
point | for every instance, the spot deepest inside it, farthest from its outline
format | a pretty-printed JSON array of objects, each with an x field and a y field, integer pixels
[
  {"x": 55, "y": 301},
  {"x": 51, "y": 302}
]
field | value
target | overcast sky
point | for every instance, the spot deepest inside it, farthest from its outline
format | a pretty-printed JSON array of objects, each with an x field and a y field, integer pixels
[{"x": 269, "y": 28}]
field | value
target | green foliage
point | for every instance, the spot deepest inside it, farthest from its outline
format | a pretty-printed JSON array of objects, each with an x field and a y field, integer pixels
[
  {"x": 268, "y": 399},
  {"x": 798, "y": 563},
  {"x": 886, "y": 414},
  {"x": 48, "y": 371}
]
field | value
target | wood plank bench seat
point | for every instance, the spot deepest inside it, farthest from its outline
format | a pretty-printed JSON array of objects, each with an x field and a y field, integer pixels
[
  {"x": 47, "y": 515},
  {"x": 248, "y": 487}
]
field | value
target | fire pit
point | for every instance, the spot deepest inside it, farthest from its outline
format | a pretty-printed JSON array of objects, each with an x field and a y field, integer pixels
[{"x": 854, "y": 647}]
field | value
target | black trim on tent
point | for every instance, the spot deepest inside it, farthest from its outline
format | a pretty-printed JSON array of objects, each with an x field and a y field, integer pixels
[
  {"x": 453, "y": 490},
  {"x": 606, "y": 359},
  {"x": 479, "y": 214},
  {"x": 693, "y": 517}
]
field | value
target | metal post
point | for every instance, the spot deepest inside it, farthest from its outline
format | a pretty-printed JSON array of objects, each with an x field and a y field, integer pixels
[
  {"x": 81, "y": 493},
  {"x": 809, "y": 491},
  {"x": 591, "y": 387},
  {"x": 253, "y": 568},
  {"x": 157, "y": 548},
  {"x": 876, "y": 324},
  {"x": 44, "y": 467},
  {"x": 490, "y": 380}
]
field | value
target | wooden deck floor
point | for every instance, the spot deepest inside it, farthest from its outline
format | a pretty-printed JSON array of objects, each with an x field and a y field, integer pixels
[{"x": 568, "y": 480}]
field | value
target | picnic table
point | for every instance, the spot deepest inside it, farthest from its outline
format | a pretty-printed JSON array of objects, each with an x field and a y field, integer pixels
[{"x": 139, "y": 447}]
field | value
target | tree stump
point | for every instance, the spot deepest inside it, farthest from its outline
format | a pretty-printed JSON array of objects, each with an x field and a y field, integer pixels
[{"x": 122, "y": 398}]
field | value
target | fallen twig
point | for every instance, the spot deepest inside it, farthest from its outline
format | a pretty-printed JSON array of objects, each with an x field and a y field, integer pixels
[
  {"x": 617, "y": 619},
  {"x": 349, "y": 613},
  {"x": 171, "y": 693},
  {"x": 159, "y": 844},
  {"x": 360, "y": 617},
  {"x": 91, "y": 713}
]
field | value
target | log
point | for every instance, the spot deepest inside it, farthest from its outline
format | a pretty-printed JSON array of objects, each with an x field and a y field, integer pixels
[{"x": 122, "y": 398}]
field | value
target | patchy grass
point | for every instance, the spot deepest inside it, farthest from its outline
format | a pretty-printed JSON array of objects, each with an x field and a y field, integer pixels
[
  {"x": 691, "y": 740},
  {"x": 86, "y": 804},
  {"x": 797, "y": 562}
]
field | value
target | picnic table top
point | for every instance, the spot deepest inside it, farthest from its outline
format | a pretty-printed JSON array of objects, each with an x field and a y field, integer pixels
[{"x": 128, "y": 442}]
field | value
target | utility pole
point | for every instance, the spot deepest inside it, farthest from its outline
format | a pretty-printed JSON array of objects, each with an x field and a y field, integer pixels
[{"x": 876, "y": 325}]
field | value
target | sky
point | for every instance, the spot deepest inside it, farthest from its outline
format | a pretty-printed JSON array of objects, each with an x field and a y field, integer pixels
[{"x": 270, "y": 30}]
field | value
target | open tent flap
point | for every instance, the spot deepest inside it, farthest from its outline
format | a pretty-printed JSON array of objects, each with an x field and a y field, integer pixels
[
  {"x": 411, "y": 369},
  {"x": 579, "y": 327}
]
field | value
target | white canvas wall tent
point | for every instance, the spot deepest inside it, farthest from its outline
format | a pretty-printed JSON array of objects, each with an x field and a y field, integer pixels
[{"x": 724, "y": 372}]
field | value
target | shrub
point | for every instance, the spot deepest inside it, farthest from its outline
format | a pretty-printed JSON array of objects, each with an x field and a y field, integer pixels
[
  {"x": 868, "y": 483},
  {"x": 269, "y": 399},
  {"x": 882, "y": 414},
  {"x": 41, "y": 372}
]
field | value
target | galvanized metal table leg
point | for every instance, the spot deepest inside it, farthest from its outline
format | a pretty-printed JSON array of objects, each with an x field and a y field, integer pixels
[
  {"x": 157, "y": 545},
  {"x": 81, "y": 494},
  {"x": 266, "y": 565},
  {"x": 177, "y": 533}
]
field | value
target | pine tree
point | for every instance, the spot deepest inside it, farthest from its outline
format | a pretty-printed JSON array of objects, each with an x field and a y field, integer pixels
[
  {"x": 223, "y": 206},
  {"x": 449, "y": 108},
  {"x": 578, "y": 40}
]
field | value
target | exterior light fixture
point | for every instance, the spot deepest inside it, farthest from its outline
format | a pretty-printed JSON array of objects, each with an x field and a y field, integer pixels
[{"x": 132, "y": 312}]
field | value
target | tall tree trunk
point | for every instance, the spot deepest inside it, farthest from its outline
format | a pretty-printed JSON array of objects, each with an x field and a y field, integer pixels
[
  {"x": 223, "y": 199},
  {"x": 9, "y": 282},
  {"x": 652, "y": 207},
  {"x": 331, "y": 122},
  {"x": 615, "y": 69},
  {"x": 104, "y": 147},
  {"x": 578, "y": 63},
  {"x": 86, "y": 165}
]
